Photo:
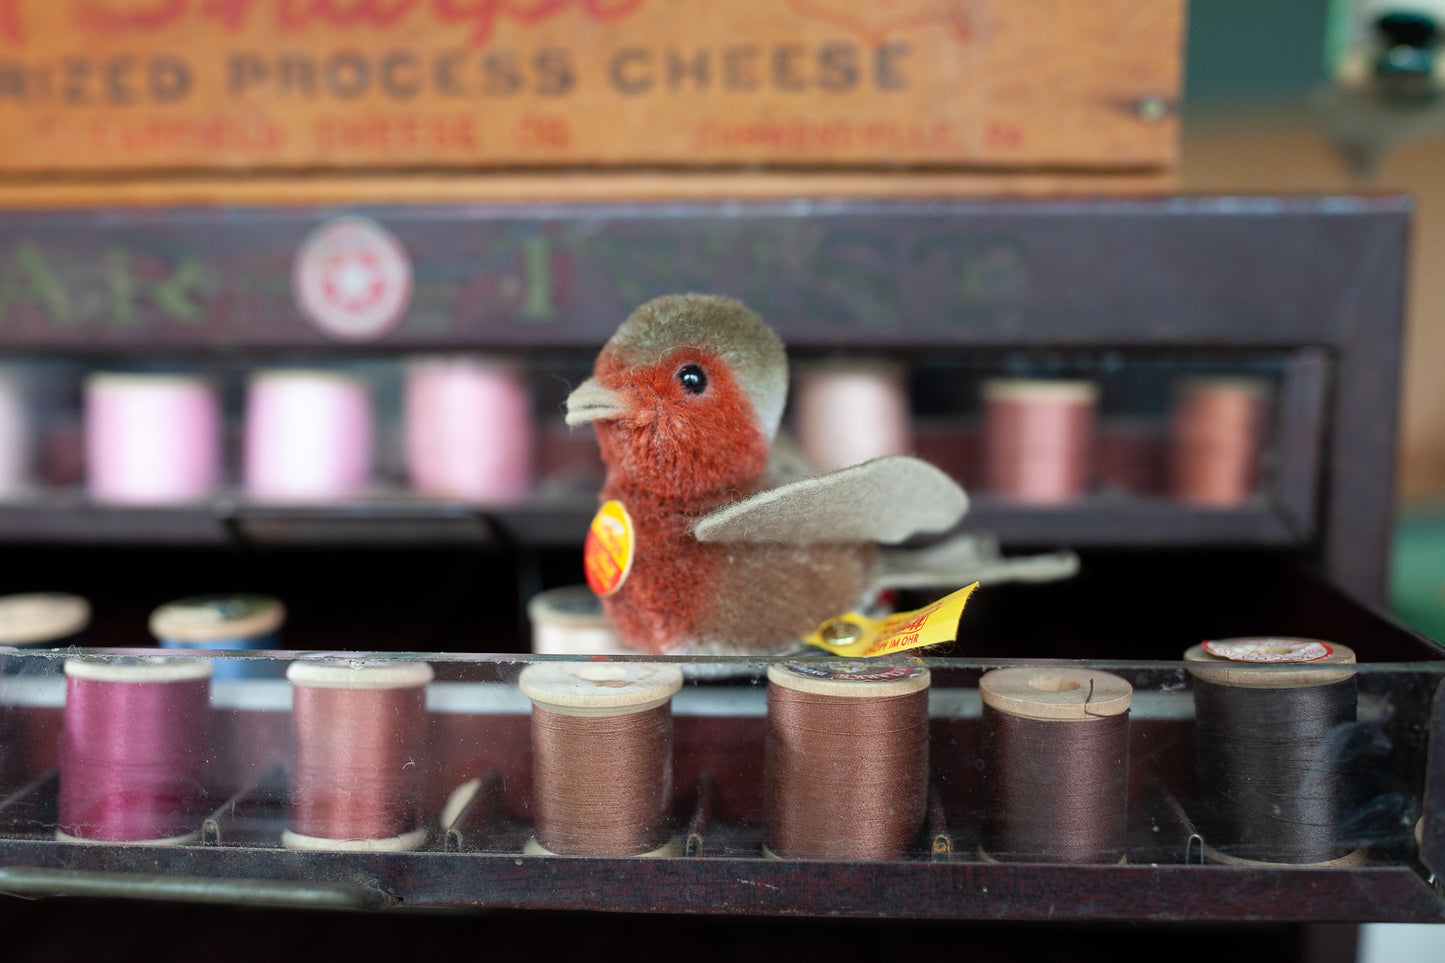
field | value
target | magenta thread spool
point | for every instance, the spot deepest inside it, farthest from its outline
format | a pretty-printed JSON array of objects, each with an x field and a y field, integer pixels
[
  {"x": 308, "y": 435},
  {"x": 17, "y": 434},
  {"x": 151, "y": 439},
  {"x": 846, "y": 412},
  {"x": 1038, "y": 439},
  {"x": 469, "y": 428},
  {"x": 133, "y": 750}
]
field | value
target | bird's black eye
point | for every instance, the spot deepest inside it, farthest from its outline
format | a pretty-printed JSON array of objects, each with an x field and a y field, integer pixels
[{"x": 693, "y": 378}]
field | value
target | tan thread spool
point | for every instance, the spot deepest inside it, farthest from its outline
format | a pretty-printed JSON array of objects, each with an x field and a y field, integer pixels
[
  {"x": 1055, "y": 749},
  {"x": 1217, "y": 430},
  {"x": 602, "y": 758},
  {"x": 1038, "y": 439},
  {"x": 846, "y": 769},
  {"x": 360, "y": 752}
]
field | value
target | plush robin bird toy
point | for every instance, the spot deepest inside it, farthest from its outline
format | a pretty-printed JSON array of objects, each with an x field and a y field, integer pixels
[{"x": 698, "y": 549}]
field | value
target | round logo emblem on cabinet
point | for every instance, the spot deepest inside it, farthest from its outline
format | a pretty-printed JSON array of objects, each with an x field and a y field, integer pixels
[{"x": 352, "y": 279}]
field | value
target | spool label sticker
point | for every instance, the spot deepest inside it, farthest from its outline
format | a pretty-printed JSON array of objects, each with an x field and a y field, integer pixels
[
  {"x": 609, "y": 549},
  {"x": 853, "y": 672},
  {"x": 1270, "y": 650},
  {"x": 855, "y": 635}
]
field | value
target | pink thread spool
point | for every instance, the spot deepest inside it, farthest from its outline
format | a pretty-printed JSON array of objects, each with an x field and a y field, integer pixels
[
  {"x": 849, "y": 411},
  {"x": 469, "y": 428},
  {"x": 1038, "y": 438},
  {"x": 308, "y": 435},
  {"x": 1217, "y": 429},
  {"x": 151, "y": 439},
  {"x": 16, "y": 434},
  {"x": 133, "y": 750}
]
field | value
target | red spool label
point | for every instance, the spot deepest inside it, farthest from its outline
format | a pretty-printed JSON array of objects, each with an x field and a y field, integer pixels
[{"x": 1270, "y": 650}]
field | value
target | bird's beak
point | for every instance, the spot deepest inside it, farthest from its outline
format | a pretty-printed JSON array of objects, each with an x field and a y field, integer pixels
[{"x": 590, "y": 401}]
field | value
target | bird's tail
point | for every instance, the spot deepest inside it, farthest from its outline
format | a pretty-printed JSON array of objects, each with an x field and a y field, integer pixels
[{"x": 965, "y": 558}]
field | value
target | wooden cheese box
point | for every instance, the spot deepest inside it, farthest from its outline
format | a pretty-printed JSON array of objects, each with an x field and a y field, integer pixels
[{"x": 100, "y": 86}]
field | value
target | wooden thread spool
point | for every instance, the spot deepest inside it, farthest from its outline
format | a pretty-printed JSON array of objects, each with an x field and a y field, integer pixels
[
  {"x": 17, "y": 433},
  {"x": 469, "y": 428},
  {"x": 1269, "y": 738},
  {"x": 1216, "y": 436},
  {"x": 223, "y": 622},
  {"x": 601, "y": 758},
  {"x": 151, "y": 439},
  {"x": 50, "y": 619},
  {"x": 569, "y": 621},
  {"x": 1038, "y": 439},
  {"x": 308, "y": 435},
  {"x": 1055, "y": 750},
  {"x": 850, "y": 411},
  {"x": 133, "y": 751},
  {"x": 360, "y": 753},
  {"x": 846, "y": 771}
]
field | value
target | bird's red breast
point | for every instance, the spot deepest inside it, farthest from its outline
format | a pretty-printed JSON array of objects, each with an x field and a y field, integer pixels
[{"x": 684, "y": 400}]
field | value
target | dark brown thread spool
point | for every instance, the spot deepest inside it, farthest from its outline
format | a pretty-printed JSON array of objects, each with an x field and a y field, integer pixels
[
  {"x": 1055, "y": 748},
  {"x": 1038, "y": 439},
  {"x": 846, "y": 769},
  {"x": 1272, "y": 780},
  {"x": 360, "y": 751},
  {"x": 1217, "y": 429},
  {"x": 601, "y": 758}
]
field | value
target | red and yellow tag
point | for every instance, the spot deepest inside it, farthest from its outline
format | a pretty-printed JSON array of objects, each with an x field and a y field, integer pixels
[
  {"x": 607, "y": 553},
  {"x": 854, "y": 635}
]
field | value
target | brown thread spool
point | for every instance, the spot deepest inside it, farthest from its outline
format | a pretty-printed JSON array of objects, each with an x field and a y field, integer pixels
[
  {"x": 360, "y": 741},
  {"x": 1216, "y": 435},
  {"x": 846, "y": 770},
  {"x": 850, "y": 411},
  {"x": 1055, "y": 748},
  {"x": 601, "y": 758},
  {"x": 1038, "y": 439},
  {"x": 1269, "y": 756}
]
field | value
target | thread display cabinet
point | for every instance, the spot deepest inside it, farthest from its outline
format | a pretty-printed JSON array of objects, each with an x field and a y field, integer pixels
[{"x": 1303, "y": 293}]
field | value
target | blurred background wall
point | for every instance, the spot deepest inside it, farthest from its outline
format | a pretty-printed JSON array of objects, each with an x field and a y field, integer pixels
[
  {"x": 1255, "y": 119},
  {"x": 1259, "y": 116}
]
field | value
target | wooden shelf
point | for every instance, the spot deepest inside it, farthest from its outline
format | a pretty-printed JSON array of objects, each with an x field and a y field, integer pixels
[
  {"x": 916, "y": 890},
  {"x": 544, "y": 523}
]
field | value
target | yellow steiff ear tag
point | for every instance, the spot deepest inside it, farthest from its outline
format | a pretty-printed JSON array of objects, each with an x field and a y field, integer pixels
[
  {"x": 855, "y": 635},
  {"x": 608, "y": 551}
]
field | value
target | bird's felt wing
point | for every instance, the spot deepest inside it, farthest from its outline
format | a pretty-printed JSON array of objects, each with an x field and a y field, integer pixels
[
  {"x": 883, "y": 500},
  {"x": 967, "y": 557}
]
